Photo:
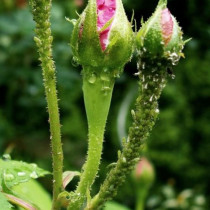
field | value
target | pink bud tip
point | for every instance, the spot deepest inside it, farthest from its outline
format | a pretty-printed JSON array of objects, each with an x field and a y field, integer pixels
[
  {"x": 143, "y": 165},
  {"x": 105, "y": 10},
  {"x": 167, "y": 25}
]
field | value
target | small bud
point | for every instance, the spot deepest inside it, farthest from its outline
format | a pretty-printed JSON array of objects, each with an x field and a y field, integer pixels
[
  {"x": 144, "y": 173},
  {"x": 144, "y": 176},
  {"x": 161, "y": 37},
  {"x": 102, "y": 36}
]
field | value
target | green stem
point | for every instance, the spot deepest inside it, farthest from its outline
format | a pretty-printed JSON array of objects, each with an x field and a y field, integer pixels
[
  {"x": 97, "y": 89},
  {"x": 43, "y": 39},
  {"x": 144, "y": 117},
  {"x": 141, "y": 198}
]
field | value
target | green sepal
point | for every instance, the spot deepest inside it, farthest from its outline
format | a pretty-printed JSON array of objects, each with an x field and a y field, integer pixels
[
  {"x": 162, "y": 4},
  {"x": 89, "y": 44},
  {"x": 149, "y": 37},
  {"x": 122, "y": 47}
]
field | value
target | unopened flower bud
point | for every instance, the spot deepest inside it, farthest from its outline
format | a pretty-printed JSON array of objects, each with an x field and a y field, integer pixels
[
  {"x": 144, "y": 176},
  {"x": 160, "y": 37},
  {"x": 102, "y": 36},
  {"x": 144, "y": 173}
]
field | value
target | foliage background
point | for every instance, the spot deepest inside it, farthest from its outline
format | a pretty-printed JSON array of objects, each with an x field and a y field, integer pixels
[{"x": 179, "y": 145}]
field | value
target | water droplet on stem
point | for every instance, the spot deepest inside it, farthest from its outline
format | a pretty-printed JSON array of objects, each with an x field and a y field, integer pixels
[{"x": 92, "y": 78}]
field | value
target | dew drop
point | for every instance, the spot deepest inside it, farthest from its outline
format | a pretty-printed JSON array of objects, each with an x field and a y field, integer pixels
[
  {"x": 9, "y": 177},
  {"x": 105, "y": 77},
  {"x": 21, "y": 173},
  {"x": 106, "y": 88},
  {"x": 34, "y": 175},
  {"x": 92, "y": 78}
]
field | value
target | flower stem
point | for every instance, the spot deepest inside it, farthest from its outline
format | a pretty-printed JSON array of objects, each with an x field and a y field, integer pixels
[
  {"x": 97, "y": 91},
  {"x": 144, "y": 117},
  {"x": 43, "y": 39},
  {"x": 141, "y": 198}
]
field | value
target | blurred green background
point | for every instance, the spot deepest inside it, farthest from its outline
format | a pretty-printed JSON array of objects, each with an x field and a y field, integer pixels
[{"x": 179, "y": 146}]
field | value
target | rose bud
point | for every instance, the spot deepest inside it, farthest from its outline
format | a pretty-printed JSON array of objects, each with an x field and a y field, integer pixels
[
  {"x": 102, "y": 36},
  {"x": 160, "y": 37},
  {"x": 102, "y": 42},
  {"x": 144, "y": 172},
  {"x": 144, "y": 176}
]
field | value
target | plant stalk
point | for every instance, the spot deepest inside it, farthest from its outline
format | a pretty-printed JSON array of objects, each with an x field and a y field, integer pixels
[
  {"x": 141, "y": 197},
  {"x": 43, "y": 39},
  {"x": 97, "y": 91}
]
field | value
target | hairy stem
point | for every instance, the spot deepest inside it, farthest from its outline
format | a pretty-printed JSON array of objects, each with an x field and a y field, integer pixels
[
  {"x": 97, "y": 89},
  {"x": 144, "y": 117},
  {"x": 43, "y": 39}
]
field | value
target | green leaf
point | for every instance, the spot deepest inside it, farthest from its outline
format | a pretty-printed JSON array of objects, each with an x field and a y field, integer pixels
[
  {"x": 33, "y": 192},
  {"x": 15, "y": 172},
  {"x": 68, "y": 176},
  {"x": 4, "y": 204},
  {"x": 110, "y": 205}
]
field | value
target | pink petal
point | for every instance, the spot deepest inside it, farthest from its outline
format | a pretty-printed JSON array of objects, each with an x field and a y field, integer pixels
[
  {"x": 105, "y": 10},
  {"x": 167, "y": 26},
  {"x": 103, "y": 38}
]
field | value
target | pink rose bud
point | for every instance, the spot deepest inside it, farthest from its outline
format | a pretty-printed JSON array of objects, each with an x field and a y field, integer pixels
[
  {"x": 160, "y": 37},
  {"x": 144, "y": 173},
  {"x": 102, "y": 36}
]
